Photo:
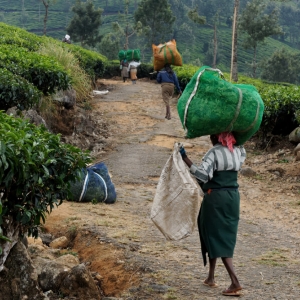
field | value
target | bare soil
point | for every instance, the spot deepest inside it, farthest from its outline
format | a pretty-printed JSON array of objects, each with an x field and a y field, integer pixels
[{"x": 121, "y": 243}]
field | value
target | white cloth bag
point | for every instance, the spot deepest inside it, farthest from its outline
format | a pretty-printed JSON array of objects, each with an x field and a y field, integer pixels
[{"x": 176, "y": 203}]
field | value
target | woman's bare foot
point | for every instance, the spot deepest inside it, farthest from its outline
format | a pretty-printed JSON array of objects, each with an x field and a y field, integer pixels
[
  {"x": 210, "y": 283},
  {"x": 233, "y": 290}
]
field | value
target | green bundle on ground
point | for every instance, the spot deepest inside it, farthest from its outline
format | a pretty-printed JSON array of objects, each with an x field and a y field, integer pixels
[
  {"x": 134, "y": 54},
  {"x": 211, "y": 105}
]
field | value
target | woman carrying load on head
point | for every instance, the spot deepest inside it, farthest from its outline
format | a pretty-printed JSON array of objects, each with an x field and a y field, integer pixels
[
  {"x": 168, "y": 80},
  {"x": 132, "y": 69},
  {"x": 124, "y": 72},
  {"x": 219, "y": 213}
]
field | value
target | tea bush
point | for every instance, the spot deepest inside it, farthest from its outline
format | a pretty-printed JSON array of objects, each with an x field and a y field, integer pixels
[
  {"x": 16, "y": 91},
  {"x": 92, "y": 62},
  {"x": 35, "y": 173},
  {"x": 42, "y": 71},
  {"x": 11, "y": 35}
]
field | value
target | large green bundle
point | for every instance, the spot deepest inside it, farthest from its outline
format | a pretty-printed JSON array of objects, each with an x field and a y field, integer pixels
[
  {"x": 133, "y": 55},
  {"x": 211, "y": 105},
  {"x": 122, "y": 54}
]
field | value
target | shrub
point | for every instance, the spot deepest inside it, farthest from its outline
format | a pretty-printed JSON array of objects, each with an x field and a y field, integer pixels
[
  {"x": 112, "y": 69},
  {"x": 35, "y": 174},
  {"x": 16, "y": 91},
  {"x": 144, "y": 70},
  {"x": 45, "y": 73},
  {"x": 92, "y": 62},
  {"x": 184, "y": 74},
  {"x": 81, "y": 82},
  {"x": 10, "y": 35}
]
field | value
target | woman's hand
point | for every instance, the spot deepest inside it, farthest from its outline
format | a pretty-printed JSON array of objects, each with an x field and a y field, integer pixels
[{"x": 182, "y": 152}]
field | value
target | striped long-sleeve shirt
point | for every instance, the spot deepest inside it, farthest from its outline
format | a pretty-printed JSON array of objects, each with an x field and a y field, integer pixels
[{"x": 219, "y": 158}]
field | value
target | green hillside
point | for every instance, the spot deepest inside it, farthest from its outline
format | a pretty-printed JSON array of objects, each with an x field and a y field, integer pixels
[{"x": 29, "y": 15}]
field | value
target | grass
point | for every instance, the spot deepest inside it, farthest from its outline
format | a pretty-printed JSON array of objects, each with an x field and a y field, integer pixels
[
  {"x": 283, "y": 161},
  {"x": 275, "y": 258},
  {"x": 81, "y": 82},
  {"x": 61, "y": 253}
]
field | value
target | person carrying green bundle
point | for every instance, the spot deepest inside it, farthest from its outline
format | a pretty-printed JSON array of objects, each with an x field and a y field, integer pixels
[{"x": 219, "y": 213}]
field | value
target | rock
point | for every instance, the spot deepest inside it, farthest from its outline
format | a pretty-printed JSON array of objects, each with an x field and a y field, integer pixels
[
  {"x": 21, "y": 282},
  {"x": 61, "y": 242},
  {"x": 31, "y": 115},
  {"x": 46, "y": 238},
  {"x": 68, "y": 260},
  {"x": 80, "y": 284},
  {"x": 34, "y": 117},
  {"x": 296, "y": 152},
  {"x": 248, "y": 172},
  {"x": 52, "y": 275},
  {"x": 277, "y": 171},
  {"x": 159, "y": 288},
  {"x": 33, "y": 241},
  {"x": 294, "y": 136},
  {"x": 66, "y": 98}
]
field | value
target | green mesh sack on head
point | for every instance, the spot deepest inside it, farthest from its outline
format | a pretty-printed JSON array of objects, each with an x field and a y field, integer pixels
[
  {"x": 133, "y": 54},
  {"x": 122, "y": 54},
  {"x": 211, "y": 105}
]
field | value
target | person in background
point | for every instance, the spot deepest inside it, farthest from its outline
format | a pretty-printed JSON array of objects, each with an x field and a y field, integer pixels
[
  {"x": 124, "y": 69},
  {"x": 168, "y": 80},
  {"x": 219, "y": 213},
  {"x": 132, "y": 68},
  {"x": 67, "y": 39}
]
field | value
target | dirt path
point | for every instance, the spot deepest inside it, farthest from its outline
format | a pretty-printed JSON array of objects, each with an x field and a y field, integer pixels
[{"x": 122, "y": 244}]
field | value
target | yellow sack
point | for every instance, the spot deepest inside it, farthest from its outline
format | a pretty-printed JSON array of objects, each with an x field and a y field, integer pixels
[{"x": 166, "y": 53}]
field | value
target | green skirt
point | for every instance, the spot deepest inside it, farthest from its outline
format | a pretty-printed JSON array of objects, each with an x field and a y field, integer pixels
[{"x": 219, "y": 216}]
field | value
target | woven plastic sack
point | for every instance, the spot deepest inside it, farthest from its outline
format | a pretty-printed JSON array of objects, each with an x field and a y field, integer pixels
[
  {"x": 134, "y": 54},
  {"x": 122, "y": 54},
  {"x": 94, "y": 185},
  {"x": 211, "y": 105},
  {"x": 166, "y": 53},
  {"x": 177, "y": 199}
]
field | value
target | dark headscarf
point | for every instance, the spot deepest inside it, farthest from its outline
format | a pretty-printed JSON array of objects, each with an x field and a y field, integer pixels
[{"x": 168, "y": 68}]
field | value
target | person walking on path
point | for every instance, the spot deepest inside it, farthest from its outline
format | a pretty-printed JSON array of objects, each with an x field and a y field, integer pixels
[
  {"x": 219, "y": 213},
  {"x": 132, "y": 68},
  {"x": 124, "y": 69},
  {"x": 168, "y": 80}
]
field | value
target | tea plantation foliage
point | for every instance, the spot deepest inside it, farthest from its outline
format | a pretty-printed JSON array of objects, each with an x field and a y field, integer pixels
[
  {"x": 42, "y": 74},
  {"x": 35, "y": 167},
  {"x": 35, "y": 172}
]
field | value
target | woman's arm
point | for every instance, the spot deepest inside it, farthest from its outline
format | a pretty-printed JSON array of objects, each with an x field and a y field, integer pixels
[{"x": 202, "y": 173}]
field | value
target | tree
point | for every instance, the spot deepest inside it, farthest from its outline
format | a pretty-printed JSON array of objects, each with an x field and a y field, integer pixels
[
  {"x": 234, "y": 67},
  {"x": 129, "y": 29},
  {"x": 109, "y": 46},
  {"x": 282, "y": 66},
  {"x": 195, "y": 17},
  {"x": 84, "y": 27},
  {"x": 46, "y": 4},
  {"x": 156, "y": 18},
  {"x": 180, "y": 11},
  {"x": 257, "y": 25}
]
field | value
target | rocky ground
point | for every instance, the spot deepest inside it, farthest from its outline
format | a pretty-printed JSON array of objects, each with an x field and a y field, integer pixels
[{"x": 120, "y": 243}]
